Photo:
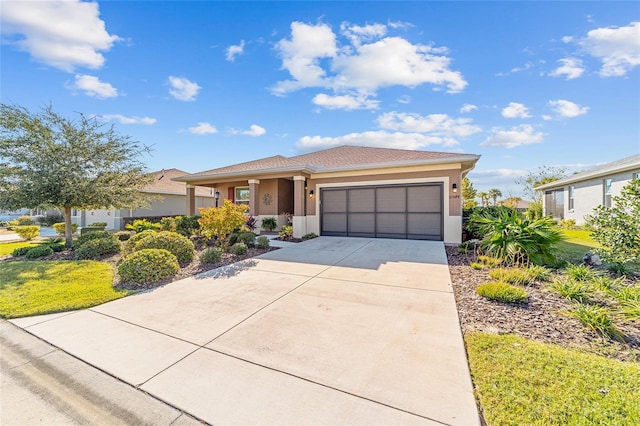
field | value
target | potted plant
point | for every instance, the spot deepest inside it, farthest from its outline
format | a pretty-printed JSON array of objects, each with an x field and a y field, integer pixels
[{"x": 269, "y": 223}]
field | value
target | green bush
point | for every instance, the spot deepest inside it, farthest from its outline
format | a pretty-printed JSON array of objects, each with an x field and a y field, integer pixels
[
  {"x": 148, "y": 266},
  {"x": 50, "y": 218},
  {"x": 211, "y": 255},
  {"x": 478, "y": 266},
  {"x": 631, "y": 310},
  {"x": 502, "y": 292},
  {"x": 262, "y": 242},
  {"x": 56, "y": 244},
  {"x": 98, "y": 224},
  {"x": 94, "y": 249},
  {"x": 123, "y": 235},
  {"x": 25, "y": 221},
  {"x": 84, "y": 238},
  {"x": 568, "y": 224},
  {"x": 21, "y": 251},
  {"x": 269, "y": 223},
  {"x": 512, "y": 276},
  {"x": 286, "y": 233},
  {"x": 597, "y": 318},
  {"x": 238, "y": 249},
  {"x": 133, "y": 239},
  {"x": 572, "y": 290},
  {"x": 60, "y": 228},
  {"x": 180, "y": 246},
  {"x": 580, "y": 272},
  {"x": 249, "y": 238},
  {"x": 140, "y": 225},
  {"x": 169, "y": 224},
  {"x": 28, "y": 232},
  {"x": 309, "y": 236},
  {"x": 38, "y": 251},
  {"x": 188, "y": 225}
]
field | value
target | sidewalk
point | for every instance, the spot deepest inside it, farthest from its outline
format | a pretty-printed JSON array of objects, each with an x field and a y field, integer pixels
[{"x": 41, "y": 384}]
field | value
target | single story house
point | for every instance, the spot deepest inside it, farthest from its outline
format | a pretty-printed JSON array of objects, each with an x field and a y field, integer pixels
[
  {"x": 171, "y": 201},
  {"x": 349, "y": 191},
  {"x": 576, "y": 196}
]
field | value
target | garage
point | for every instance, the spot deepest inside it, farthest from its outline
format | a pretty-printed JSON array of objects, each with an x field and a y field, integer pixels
[{"x": 383, "y": 211}]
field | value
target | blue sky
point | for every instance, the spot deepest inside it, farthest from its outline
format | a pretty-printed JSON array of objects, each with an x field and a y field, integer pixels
[{"x": 207, "y": 84}]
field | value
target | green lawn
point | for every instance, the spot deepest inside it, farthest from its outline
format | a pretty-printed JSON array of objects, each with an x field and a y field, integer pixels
[
  {"x": 8, "y": 248},
  {"x": 577, "y": 243},
  {"x": 520, "y": 382},
  {"x": 33, "y": 288}
]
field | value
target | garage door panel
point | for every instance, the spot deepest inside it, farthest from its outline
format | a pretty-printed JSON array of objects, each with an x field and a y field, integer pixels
[
  {"x": 334, "y": 224},
  {"x": 335, "y": 201},
  {"x": 391, "y": 223},
  {"x": 424, "y": 199},
  {"x": 362, "y": 200},
  {"x": 391, "y": 199},
  {"x": 423, "y": 224},
  {"x": 362, "y": 223}
]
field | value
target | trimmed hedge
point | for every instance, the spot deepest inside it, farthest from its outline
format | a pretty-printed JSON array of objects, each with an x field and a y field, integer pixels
[
  {"x": 96, "y": 235},
  {"x": 148, "y": 266},
  {"x": 181, "y": 247},
  {"x": 60, "y": 228},
  {"x": 131, "y": 242},
  {"x": 238, "y": 249},
  {"x": 93, "y": 249},
  {"x": 28, "y": 232},
  {"x": 211, "y": 255},
  {"x": 38, "y": 251},
  {"x": 21, "y": 251},
  {"x": 262, "y": 242}
]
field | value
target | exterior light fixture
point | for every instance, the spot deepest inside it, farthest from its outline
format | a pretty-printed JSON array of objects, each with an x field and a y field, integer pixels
[
  {"x": 217, "y": 195},
  {"x": 311, "y": 194},
  {"x": 455, "y": 187}
]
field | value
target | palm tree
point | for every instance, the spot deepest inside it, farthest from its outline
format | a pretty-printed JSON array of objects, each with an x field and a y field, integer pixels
[
  {"x": 484, "y": 198},
  {"x": 495, "y": 193}
]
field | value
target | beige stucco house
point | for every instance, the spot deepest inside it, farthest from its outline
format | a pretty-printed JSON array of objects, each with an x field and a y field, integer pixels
[
  {"x": 349, "y": 191},
  {"x": 170, "y": 201}
]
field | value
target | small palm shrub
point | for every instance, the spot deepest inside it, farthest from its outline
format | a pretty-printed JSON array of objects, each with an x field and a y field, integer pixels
[
  {"x": 148, "y": 266},
  {"x": 180, "y": 246},
  {"x": 515, "y": 239},
  {"x": 573, "y": 290},
  {"x": 262, "y": 242},
  {"x": 502, "y": 292},
  {"x": 98, "y": 247},
  {"x": 580, "y": 272},
  {"x": 28, "y": 232},
  {"x": 140, "y": 225},
  {"x": 38, "y": 251},
  {"x": 309, "y": 236},
  {"x": 60, "y": 228},
  {"x": 238, "y": 249},
  {"x": 286, "y": 233},
  {"x": 269, "y": 223},
  {"x": 597, "y": 318},
  {"x": 512, "y": 276},
  {"x": 21, "y": 251},
  {"x": 211, "y": 255}
]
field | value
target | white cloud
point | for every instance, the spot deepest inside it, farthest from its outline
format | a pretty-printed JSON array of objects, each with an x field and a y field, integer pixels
[
  {"x": 571, "y": 68},
  {"x": 183, "y": 89},
  {"x": 516, "y": 136},
  {"x": 617, "y": 47},
  {"x": 128, "y": 120},
  {"x": 254, "y": 130},
  {"x": 381, "y": 139},
  {"x": 434, "y": 124},
  {"x": 92, "y": 86},
  {"x": 515, "y": 110},
  {"x": 346, "y": 102},
  {"x": 367, "y": 60},
  {"x": 546, "y": 117},
  {"x": 404, "y": 99},
  {"x": 235, "y": 50},
  {"x": 203, "y": 128},
  {"x": 567, "y": 109},
  {"x": 63, "y": 34},
  {"x": 468, "y": 108}
]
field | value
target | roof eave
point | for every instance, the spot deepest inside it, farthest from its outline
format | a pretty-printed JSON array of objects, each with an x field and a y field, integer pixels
[{"x": 580, "y": 177}]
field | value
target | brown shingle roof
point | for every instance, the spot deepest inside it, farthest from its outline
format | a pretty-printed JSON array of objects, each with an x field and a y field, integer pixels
[
  {"x": 163, "y": 184},
  {"x": 338, "y": 157}
]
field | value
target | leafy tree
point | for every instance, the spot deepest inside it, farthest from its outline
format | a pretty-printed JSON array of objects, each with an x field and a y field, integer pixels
[
  {"x": 511, "y": 202},
  {"x": 494, "y": 193},
  {"x": 542, "y": 175},
  {"x": 469, "y": 194},
  {"x": 220, "y": 222},
  {"x": 617, "y": 228},
  {"x": 49, "y": 161},
  {"x": 484, "y": 198}
]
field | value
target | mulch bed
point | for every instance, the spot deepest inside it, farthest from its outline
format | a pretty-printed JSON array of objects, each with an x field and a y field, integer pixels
[{"x": 540, "y": 319}]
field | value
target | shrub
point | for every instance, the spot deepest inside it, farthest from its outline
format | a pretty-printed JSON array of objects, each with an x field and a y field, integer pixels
[
  {"x": 539, "y": 273},
  {"x": 178, "y": 245},
  {"x": 21, "y": 251},
  {"x": 568, "y": 224},
  {"x": 286, "y": 233},
  {"x": 489, "y": 261},
  {"x": 60, "y": 228},
  {"x": 169, "y": 224},
  {"x": 249, "y": 238},
  {"x": 502, "y": 292},
  {"x": 515, "y": 239},
  {"x": 84, "y": 238},
  {"x": 597, "y": 318},
  {"x": 512, "y": 276},
  {"x": 28, "y": 232},
  {"x": 534, "y": 211},
  {"x": 220, "y": 222},
  {"x": 98, "y": 224},
  {"x": 50, "y": 218},
  {"x": 489, "y": 211},
  {"x": 56, "y": 244},
  {"x": 94, "y": 249},
  {"x": 606, "y": 283},
  {"x": 262, "y": 242},
  {"x": 478, "y": 266},
  {"x": 309, "y": 236},
  {"x": 25, "y": 221},
  {"x": 580, "y": 272},
  {"x": 133, "y": 240},
  {"x": 148, "y": 266},
  {"x": 626, "y": 294},
  {"x": 211, "y": 255},
  {"x": 123, "y": 235},
  {"x": 269, "y": 223},
  {"x": 140, "y": 225},
  {"x": 251, "y": 224},
  {"x": 572, "y": 290},
  {"x": 38, "y": 251},
  {"x": 631, "y": 310},
  {"x": 238, "y": 249},
  {"x": 188, "y": 225}
]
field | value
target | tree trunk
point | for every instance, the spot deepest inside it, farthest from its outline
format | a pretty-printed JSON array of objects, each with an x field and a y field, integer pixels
[{"x": 68, "y": 231}]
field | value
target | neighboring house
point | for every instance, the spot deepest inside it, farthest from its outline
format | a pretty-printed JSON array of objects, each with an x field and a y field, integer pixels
[
  {"x": 576, "y": 196},
  {"x": 349, "y": 191},
  {"x": 171, "y": 201}
]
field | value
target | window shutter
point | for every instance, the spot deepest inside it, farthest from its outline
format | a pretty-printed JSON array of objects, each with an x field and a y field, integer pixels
[{"x": 232, "y": 194}]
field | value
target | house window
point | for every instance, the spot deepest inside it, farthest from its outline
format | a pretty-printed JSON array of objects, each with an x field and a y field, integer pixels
[
  {"x": 607, "y": 192},
  {"x": 554, "y": 203},
  {"x": 74, "y": 212},
  {"x": 572, "y": 190},
  {"x": 242, "y": 195}
]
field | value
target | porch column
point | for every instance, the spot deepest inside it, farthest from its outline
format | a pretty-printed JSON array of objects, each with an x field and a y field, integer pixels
[
  {"x": 191, "y": 200},
  {"x": 299, "y": 219},
  {"x": 254, "y": 194}
]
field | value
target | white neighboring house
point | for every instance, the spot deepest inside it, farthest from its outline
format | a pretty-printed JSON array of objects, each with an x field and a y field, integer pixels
[
  {"x": 576, "y": 196},
  {"x": 171, "y": 202}
]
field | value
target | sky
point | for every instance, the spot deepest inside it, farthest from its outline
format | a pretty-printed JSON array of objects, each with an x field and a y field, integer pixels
[{"x": 207, "y": 84}]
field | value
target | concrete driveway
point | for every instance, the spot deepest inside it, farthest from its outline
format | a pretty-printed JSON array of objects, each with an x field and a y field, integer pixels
[{"x": 329, "y": 331}]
